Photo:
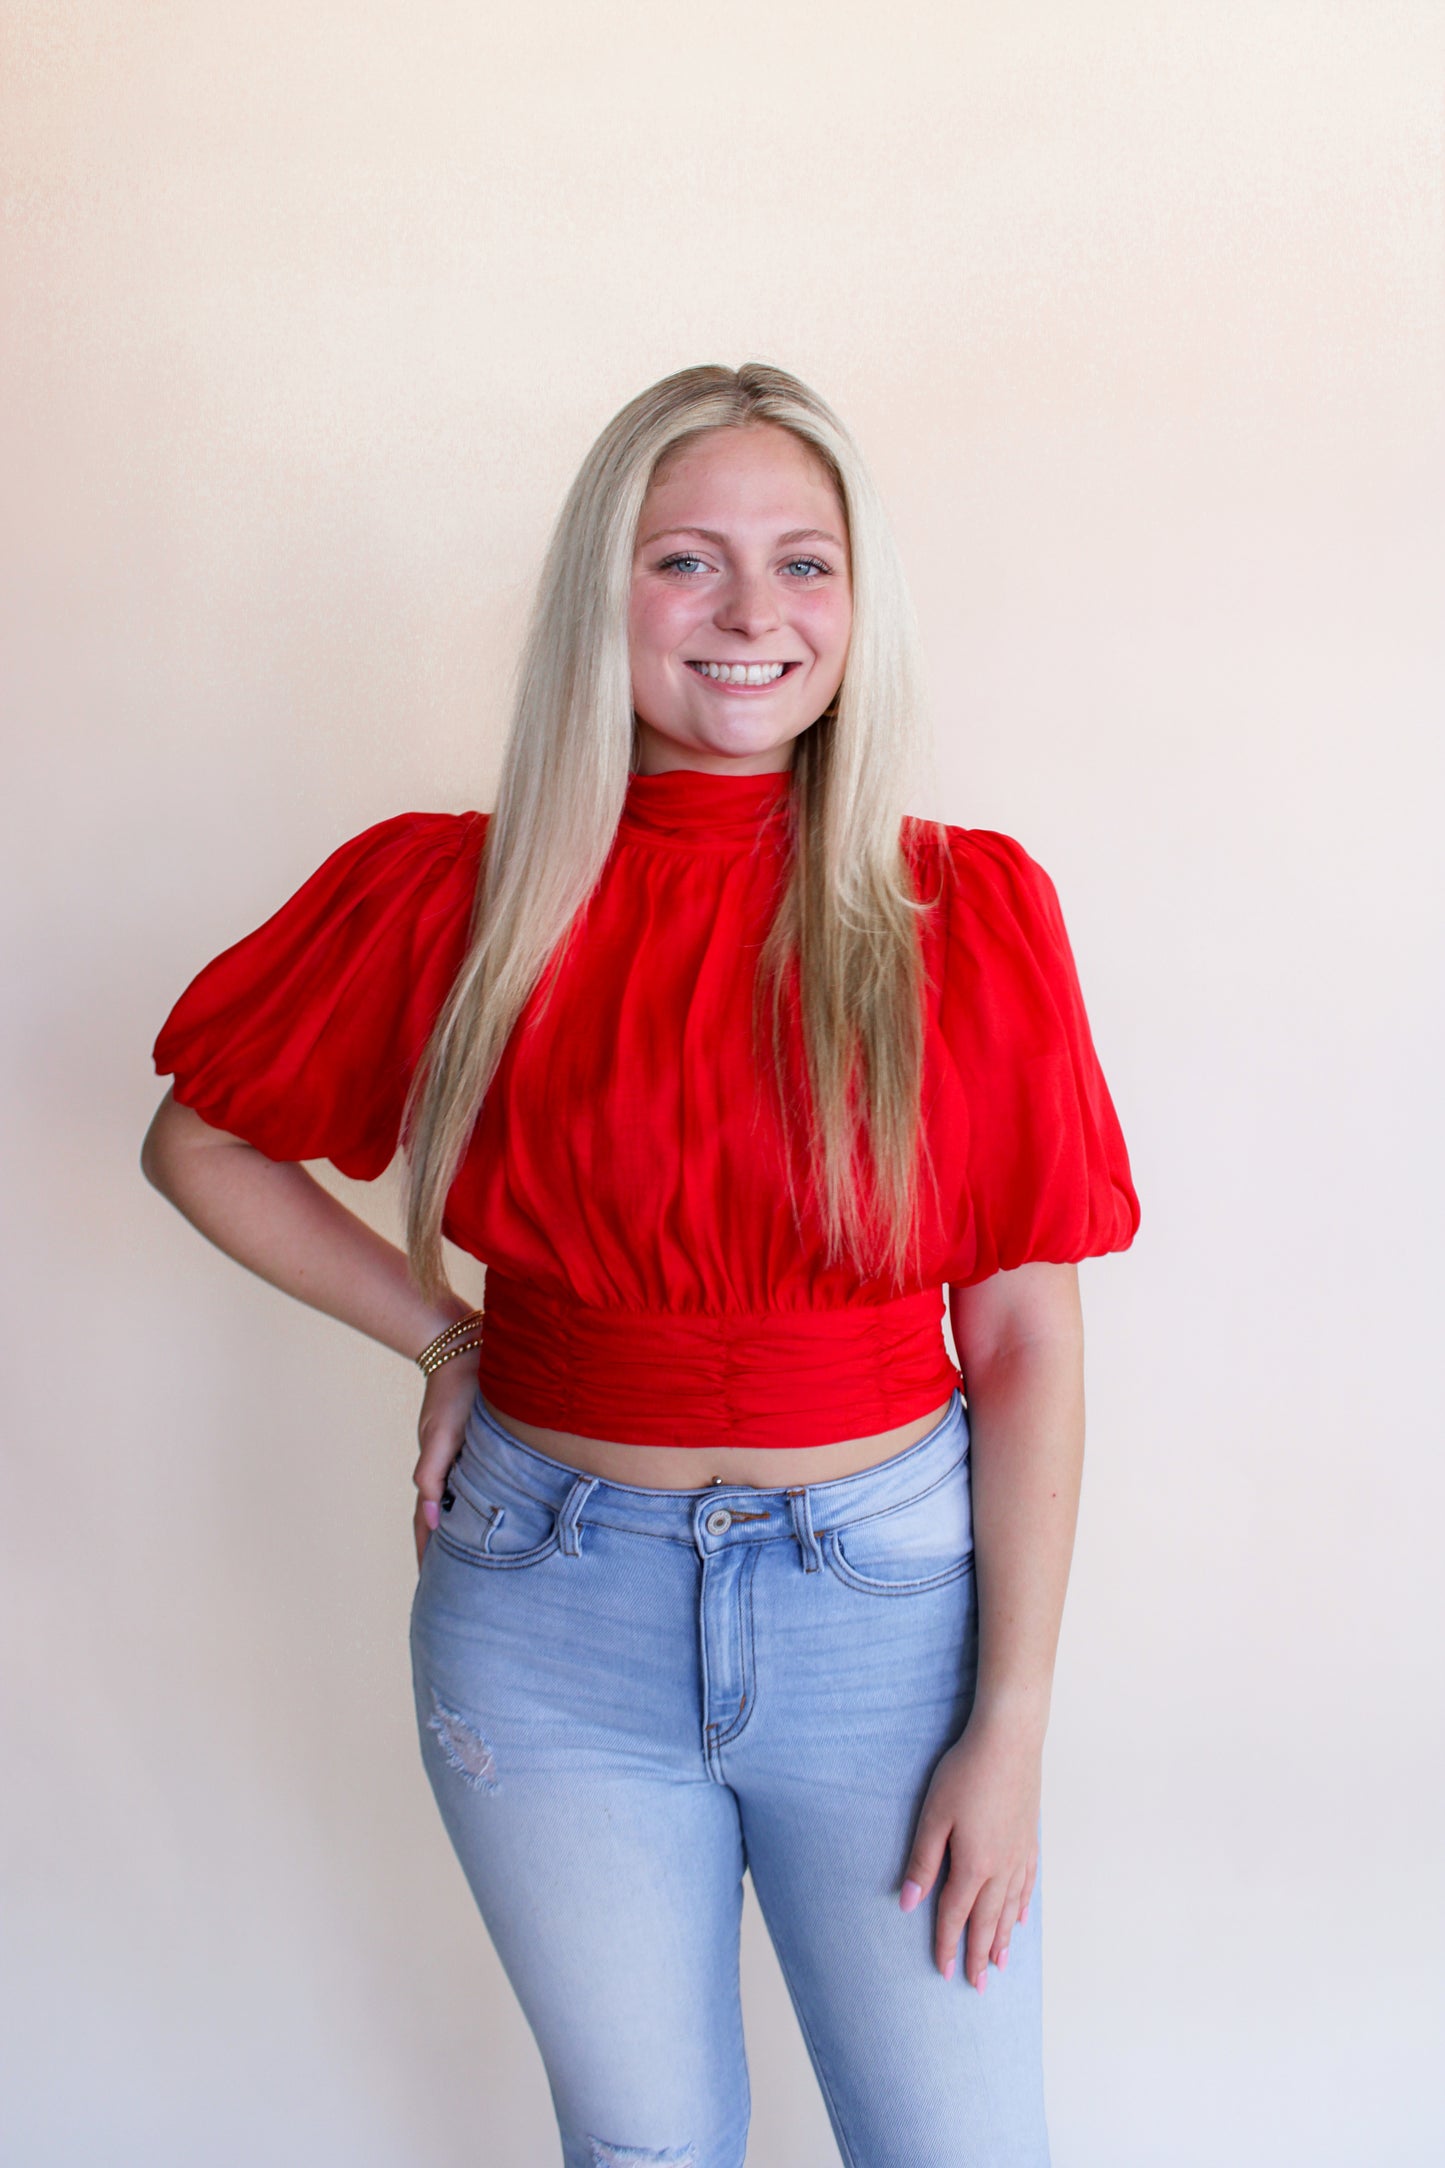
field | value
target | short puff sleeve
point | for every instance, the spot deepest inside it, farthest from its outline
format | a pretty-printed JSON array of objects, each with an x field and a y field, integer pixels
[
  {"x": 302, "y": 1038},
  {"x": 1048, "y": 1171}
]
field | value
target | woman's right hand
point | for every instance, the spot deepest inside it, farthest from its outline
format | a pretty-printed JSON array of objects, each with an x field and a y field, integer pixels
[{"x": 445, "y": 1406}]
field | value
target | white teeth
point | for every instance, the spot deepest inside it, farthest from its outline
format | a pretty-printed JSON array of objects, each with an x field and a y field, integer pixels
[{"x": 742, "y": 673}]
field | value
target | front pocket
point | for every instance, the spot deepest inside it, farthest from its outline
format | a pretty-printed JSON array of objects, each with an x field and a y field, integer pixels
[
  {"x": 491, "y": 1522},
  {"x": 924, "y": 1543}
]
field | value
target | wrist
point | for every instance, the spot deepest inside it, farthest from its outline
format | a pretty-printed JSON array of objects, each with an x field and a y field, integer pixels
[
  {"x": 438, "y": 1316},
  {"x": 459, "y": 1340},
  {"x": 1019, "y": 1708}
]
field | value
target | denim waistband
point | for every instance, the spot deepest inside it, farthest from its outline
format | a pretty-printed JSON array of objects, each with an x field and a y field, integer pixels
[{"x": 722, "y": 1514}]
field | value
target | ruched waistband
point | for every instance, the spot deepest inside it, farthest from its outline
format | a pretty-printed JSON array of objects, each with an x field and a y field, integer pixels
[{"x": 774, "y": 1378}]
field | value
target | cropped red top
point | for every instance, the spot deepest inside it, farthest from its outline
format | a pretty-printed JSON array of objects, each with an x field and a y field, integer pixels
[{"x": 626, "y": 1185}]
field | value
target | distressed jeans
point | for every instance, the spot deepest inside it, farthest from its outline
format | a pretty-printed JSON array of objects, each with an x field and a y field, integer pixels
[{"x": 626, "y": 1698}]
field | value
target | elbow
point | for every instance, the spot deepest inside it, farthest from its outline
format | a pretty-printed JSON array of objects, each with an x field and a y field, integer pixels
[
  {"x": 155, "y": 1159},
  {"x": 179, "y": 1146},
  {"x": 150, "y": 1159}
]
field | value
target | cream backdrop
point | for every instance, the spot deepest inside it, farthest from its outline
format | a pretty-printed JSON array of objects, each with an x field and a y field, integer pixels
[{"x": 1137, "y": 310}]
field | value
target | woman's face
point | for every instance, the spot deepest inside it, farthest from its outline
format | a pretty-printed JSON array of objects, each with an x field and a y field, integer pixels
[{"x": 741, "y": 603}]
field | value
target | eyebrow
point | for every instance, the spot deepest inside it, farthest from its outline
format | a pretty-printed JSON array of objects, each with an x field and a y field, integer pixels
[{"x": 710, "y": 534}]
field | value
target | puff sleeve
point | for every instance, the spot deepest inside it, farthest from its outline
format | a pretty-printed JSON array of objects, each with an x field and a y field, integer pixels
[
  {"x": 302, "y": 1038},
  {"x": 1048, "y": 1171}
]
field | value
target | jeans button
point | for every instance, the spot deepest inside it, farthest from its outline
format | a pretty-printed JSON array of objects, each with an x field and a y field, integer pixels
[{"x": 718, "y": 1522}]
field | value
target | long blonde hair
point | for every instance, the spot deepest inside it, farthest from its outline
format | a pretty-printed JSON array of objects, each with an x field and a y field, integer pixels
[{"x": 846, "y": 930}]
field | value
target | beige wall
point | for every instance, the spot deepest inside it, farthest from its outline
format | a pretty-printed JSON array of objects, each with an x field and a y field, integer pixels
[{"x": 1138, "y": 311}]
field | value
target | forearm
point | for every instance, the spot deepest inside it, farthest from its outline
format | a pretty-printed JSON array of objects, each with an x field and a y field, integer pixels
[
  {"x": 1026, "y": 1418},
  {"x": 276, "y": 1219},
  {"x": 1020, "y": 1344}
]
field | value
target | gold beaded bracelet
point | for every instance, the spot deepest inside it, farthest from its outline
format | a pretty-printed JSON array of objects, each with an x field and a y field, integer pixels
[{"x": 458, "y": 1339}]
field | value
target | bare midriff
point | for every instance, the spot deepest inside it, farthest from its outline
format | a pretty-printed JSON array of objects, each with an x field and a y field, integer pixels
[{"x": 662, "y": 1467}]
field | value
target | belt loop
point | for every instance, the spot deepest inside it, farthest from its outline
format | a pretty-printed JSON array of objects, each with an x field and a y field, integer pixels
[
  {"x": 569, "y": 1535},
  {"x": 800, "y": 1505}
]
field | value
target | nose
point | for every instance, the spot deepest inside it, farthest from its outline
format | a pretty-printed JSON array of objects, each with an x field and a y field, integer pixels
[{"x": 747, "y": 605}]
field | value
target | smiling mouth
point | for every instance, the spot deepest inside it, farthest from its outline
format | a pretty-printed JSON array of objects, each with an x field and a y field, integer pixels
[{"x": 742, "y": 673}]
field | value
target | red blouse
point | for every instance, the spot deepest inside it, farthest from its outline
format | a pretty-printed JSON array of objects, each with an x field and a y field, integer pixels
[{"x": 626, "y": 1184}]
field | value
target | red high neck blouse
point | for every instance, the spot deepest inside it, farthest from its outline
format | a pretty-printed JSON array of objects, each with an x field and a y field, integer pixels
[{"x": 648, "y": 1277}]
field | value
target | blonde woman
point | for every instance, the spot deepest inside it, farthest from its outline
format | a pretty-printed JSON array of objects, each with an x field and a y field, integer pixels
[{"x": 727, "y": 1070}]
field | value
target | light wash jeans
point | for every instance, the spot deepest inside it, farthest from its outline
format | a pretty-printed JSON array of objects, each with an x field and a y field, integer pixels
[{"x": 628, "y": 1696}]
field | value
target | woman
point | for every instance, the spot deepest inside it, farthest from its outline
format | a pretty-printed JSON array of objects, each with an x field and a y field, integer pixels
[{"x": 726, "y": 1070}]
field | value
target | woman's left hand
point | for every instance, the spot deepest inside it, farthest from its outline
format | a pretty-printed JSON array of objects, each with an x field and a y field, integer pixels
[{"x": 982, "y": 1806}]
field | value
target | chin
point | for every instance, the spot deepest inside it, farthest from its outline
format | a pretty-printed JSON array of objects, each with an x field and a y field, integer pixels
[
  {"x": 743, "y": 736},
  {"x": 751, "y": 734},
  {"x": 740, "y": 748}
]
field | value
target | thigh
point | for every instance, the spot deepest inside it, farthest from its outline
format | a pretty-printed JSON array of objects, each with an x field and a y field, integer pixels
[
  {"x": 859, "y": 1692},
  {"x": 553, "y": 1703}
]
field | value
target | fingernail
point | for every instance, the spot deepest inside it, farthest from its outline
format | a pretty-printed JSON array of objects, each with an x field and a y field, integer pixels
[
  {"x": 429, "y": 1512},
  {"x": 982, "y": 1981},
  {"x": 1023, "y": 1915},
  {"x": 1002, "y": 1959},
  {"x": 949, "y": 1969},
  {"x": 909, "y": 1895}
]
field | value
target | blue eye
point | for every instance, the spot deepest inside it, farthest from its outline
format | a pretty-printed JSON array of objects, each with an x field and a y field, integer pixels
[
  {"x": 809, "y": 564},
  {"x": 677, "y": 563}
]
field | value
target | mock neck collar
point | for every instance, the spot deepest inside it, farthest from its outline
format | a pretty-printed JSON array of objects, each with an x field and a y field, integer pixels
[{"x": 687, "y": 806}]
